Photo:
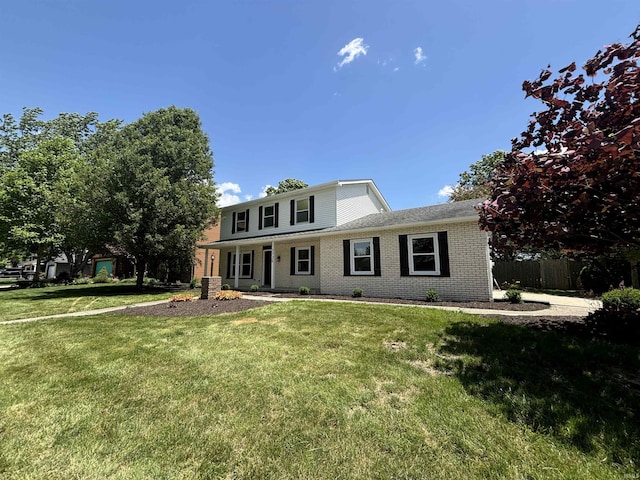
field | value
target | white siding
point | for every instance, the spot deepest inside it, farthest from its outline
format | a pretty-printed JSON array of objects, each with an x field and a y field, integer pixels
[
  {"x": 355, "y": 201},
  {"x": 324, "y": 216}
]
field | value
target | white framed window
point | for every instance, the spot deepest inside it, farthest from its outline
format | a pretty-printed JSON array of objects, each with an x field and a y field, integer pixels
[
  {"x": 246, "y": 265},
  {"x": 302, "y": 210},
  {"x": 361, "y": 253},
  {"x": 424, "y": 257},
  {"x": 241, "y": 221},
  {"x": 303, "y": 261},
  {"x": 268, "y": 216}
]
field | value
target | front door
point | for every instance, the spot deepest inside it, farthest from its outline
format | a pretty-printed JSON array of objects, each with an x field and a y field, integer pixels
[{"x": 266, "y": 268}]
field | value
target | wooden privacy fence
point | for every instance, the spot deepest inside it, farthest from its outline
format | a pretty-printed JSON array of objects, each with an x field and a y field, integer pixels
[{"x": 561, "y": 274}]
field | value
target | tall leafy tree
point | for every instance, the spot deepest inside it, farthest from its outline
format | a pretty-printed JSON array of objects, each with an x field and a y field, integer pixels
[
  {"x": 29, "y": 196},
  {"x": 583, "y": 193},
  {"x": 73, "y": 212},
  {"x": 161, "y": 194},
  {"x": 475, "y": 182},
  {"x": 286, "y": 185}
]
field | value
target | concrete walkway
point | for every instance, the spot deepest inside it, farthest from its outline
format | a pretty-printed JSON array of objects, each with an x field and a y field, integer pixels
[{"x": 558, "y": 306}]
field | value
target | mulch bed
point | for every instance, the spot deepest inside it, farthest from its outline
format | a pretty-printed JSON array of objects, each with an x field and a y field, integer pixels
[{"x": 215, "y": 307}]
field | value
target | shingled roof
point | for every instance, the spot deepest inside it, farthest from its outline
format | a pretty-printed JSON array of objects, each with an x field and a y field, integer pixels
[{"x": 412, "y": 216}]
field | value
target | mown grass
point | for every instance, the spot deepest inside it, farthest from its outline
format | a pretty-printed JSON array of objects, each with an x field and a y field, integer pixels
[
  {"x": 313, "y": 390},
  {"x": 35, "y": 302}
]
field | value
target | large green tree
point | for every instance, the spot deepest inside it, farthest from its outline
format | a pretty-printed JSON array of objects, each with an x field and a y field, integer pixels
[
  {"x": 475, "y": 182},
  {"x": 160, "y": 194},
  {"x": 30, "y": 195},
  {"x": 72, "y": 210}
]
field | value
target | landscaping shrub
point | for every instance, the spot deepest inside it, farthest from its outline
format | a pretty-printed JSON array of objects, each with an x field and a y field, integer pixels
[
  {"x": 619, "y": 318},
  {"x": 195, "y": 283},
  {"x": 182, "y": 297},
  {"x": 621, "y": 299},
  {"x": 432, "y": 295},
  {"x": 357, "y": 292},
  {"x": 254, "y": 288},
  {"x": 102, "y": 276},
  {"x": 227, "y": 295},
  {"x": 225, "y": 286},
  {"x": 514, "y": 296},
  {"x": 304, "y": 290}
]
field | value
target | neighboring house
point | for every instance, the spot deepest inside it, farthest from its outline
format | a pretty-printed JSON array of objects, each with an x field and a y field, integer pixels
[{"x": 342, "y": 235}]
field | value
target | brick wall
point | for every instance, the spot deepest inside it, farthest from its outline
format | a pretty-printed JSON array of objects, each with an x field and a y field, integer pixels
[{"x": 470, "y": 278}]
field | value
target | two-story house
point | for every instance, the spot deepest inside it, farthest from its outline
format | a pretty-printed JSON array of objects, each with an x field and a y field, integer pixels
[{"x": 343, "y": 235}]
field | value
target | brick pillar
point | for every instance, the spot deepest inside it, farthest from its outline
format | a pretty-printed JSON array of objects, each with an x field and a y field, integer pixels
[{"x": 210, "y": 285}]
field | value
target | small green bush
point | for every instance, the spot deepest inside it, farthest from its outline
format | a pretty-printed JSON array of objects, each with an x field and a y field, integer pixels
[
  {"x": 304, "y": 290},
  {"x": 432, "y": 295},
  {"x": 621, "y": 299},
  {"x": 195, "y": 283},
  {"x": 81, "y": 281},
  {"x": 102, "y": 276},
  {"x": 514, "y": 296},
  {"x": 151, "y": 282},
  {"x": 254, "y": 288},
  {"x": 357, "y": 292},
  {"x": 225, "y": 286}
]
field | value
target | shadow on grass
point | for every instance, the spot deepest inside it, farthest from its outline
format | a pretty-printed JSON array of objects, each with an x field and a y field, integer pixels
[
  {"x": 74, "y": 291},
  {"x": 585, "y": 393}
]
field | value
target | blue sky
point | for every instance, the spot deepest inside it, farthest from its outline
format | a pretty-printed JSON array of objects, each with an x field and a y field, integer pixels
[{"x": 277, "y": 98}]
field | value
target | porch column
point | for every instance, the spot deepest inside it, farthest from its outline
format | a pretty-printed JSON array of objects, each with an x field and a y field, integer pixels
[
  {"x": 236, "y": 273},
  {"x": 273, "y": 265},
  {"x": 206, "y": 263}
]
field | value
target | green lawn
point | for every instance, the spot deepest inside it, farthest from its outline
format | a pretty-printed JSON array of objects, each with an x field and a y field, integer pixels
[
  {"x": 35, "y": 302},
  {"x": 312, "y": 390}
]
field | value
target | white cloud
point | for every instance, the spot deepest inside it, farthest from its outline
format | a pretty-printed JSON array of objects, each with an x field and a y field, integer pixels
[
  {"x": 351, "y": 51},
  {"x": 396, "y": 69},
  {"x": 445, "y": 191},
  {"x": 417, "y": 52},
  {"x": 226, "y": 191},
  {"x": 263, "y": 193}
]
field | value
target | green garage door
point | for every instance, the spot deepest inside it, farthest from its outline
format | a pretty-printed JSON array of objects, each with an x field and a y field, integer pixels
[{"x": 108, "y": 264}]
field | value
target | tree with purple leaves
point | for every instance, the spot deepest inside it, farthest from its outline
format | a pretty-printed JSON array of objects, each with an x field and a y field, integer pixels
[{"x": 580, "y": 190}]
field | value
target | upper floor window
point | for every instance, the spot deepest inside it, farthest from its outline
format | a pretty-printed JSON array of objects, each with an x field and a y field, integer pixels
[
  {"x": 240, "y": 221},
  {"x": 268, "y": 216},
  {"x": 302, "y": 210}
]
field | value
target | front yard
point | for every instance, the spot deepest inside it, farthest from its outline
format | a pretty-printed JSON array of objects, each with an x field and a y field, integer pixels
[
  {"x": 36, "y": 302},
  {"x": 313, "y": 390}
]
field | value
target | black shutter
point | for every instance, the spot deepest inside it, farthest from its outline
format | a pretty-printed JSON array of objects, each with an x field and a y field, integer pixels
[
  {"x": 246, "y": 220},
  {"x": 346, "y": 253},
  {"x": 252, "y": 257},
  {"x": 292, "y": 261},
  {"x": 228, "y": 264},
  {"x": 276, "y": 214},
  {"x": 443, "y": 250},
  {"x": 260, "y": 218},
  {"x": 404, "y": 256},
  {"x": 233, "y": 222},
  {"x": 311, "y": 209},
  {"x": 376, "y": 256},
  {"x": 292, "y": 209},
  {"x": 312, "y": 260}
]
